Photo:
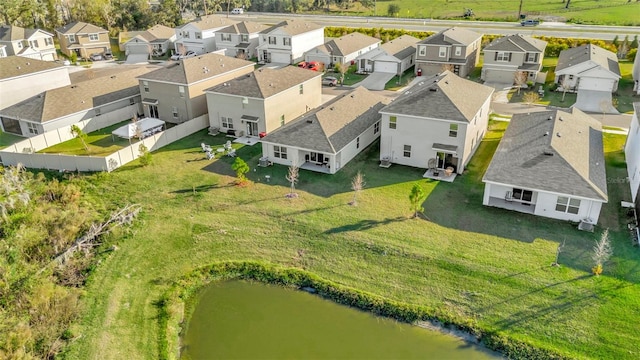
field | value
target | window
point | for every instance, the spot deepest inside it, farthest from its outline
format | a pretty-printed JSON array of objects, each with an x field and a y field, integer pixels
[
  {"x": 185, "y": 34},
  {"x": 20, "y": 45},
  {"x": 132, "y": 101},
  {"x": 376, "y": 128},
  {"x": 570, "y": 77},
  {"x": 422, "y": 50},
  {"x": 145, "y": 84},
  {"x": 181, "y": 91},
  {"x": 93, "y": 37},
  {"x": 407, "y": 151},
  {"x": 198, "y": 35},
  {"x": 34, "y": 43},
  {"x": 175, "y": 112},
  {"x": 71, "y": 38},
  {"x": 244, "y": 38},
  {"x": 280, "y": 152},
  {"x": 522, "y": 195},
  {"x": 502, "y": 56},
  {"x": 568, "y": 205},
  {"x": 358, "y": 142},
  {"x": 531, "y": 57},
  {"x": 286, "y": 41},
  {"x": 225, "y": 37},
  {"x": 458, "y": 51},
  {"x": 282, "y": 120},
  {"x": 272, "y": 40},
  {"x": 227, "y": 122},
  {"x": 393, "y": 121},
  {"x": 48, "y": 41},
  {"x": 33, "y": 128},
  {"x": 301, "y": 89},
  {"x": 453, "y": 130},
  {"x": 97, "y": 112},
  {"x": 443, "y": 51}
]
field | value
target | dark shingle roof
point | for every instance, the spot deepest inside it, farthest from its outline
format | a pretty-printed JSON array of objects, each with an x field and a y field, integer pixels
[
  {"x": 444, "y": 96},
  {"x": 556, "y": 151},
  {"x": 517, "y": 43},
  {"x": 198, "y": 68},
  {"x": 212, "y": 22},
  {"x": 245, "y": 27},
  {"x": 12, "y": 66},
  {"x": 452, "y": 36},
  {"x": 331, "y": 127},
  {"x": 588, "y": 52},
  {"x": 265, "y": 82}
]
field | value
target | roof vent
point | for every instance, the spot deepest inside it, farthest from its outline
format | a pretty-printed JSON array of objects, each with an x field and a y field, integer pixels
[
  {"x": 28, "y": 63},
  {"x": 331, "y": 108},
  {"x": 550, "y": 117},
  {"x": 74, "y": 86},
  {"x": 271, "y": 84},
  {"x": 433, "y": 89},
  {"x": 546, "y": 134},
  {"x": 353, "y": 95},
  {"x": 548, "y": 152},
  {"x": 310, "y": 120},
  {"x": 113, "y": 76},
  {"x": 558, "y": 134},
  {"x": 18, "y": 67},
  {"x": 560, "y": 118}
]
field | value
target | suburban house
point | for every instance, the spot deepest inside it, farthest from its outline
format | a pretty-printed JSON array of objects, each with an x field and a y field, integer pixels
[
  {"x": 83, "y": 39},
  {"x": 635, "y": 74},
  {"x": 591, "y": 71},
  {"x": 506, "y": 56},
  {"x": 155, "y": 41},
  {"x": 106, "y": 100},
  {"x": 240, "y": 40},
  {"x": 175, "y": 93},
  {"x": 22, "y": 78},
  {"x": 550, "y": 164},
  {"x": 287, "y": 41},
  {"x": 632, "y": 155},
  {"x": 200, "y": 35},
  {"x": 454, "y": 49},
  {"x": 436, "y": 124},
  {"x": 394, "y": 57},
  {"x": 264, "y": 100},
  {"x": 343, "y": 50},
  {"x": 327, "y": 138},
  {"x": 30, "y": 43}
]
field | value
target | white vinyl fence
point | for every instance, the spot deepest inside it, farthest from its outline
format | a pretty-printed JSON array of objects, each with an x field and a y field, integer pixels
[{"x": 23, "y": 152}]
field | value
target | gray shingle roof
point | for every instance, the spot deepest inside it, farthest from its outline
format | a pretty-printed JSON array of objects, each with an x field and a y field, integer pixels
[
  {"x": 452, "y": 36},
  {"x": 401, "y": 46},
  {"x": 588, "y": 52},
  {"x": 350, "y": 43},
  {"x": 293, "y": 27},
  {"x": 63, "y": 101},
  {"x": 265, "y": 82},
  {"x": 212, "y": 22},
  {"x": 13, "y": 33},
  {"x": 245, "y": 27},
  {"x": 12, "y": 66},
  {"x": 556, "y": 151},
  {"x": 79, "y": 27},
  {"x": 445, "y": 96},
  {"x": 201, "y": 67},
  {"x": 517, "y": 43},
  {"x": 331, "y": 127}
]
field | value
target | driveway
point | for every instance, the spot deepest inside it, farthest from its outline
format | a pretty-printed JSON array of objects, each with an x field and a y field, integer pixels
[
  {"x": 137, "y": 59},
  {"x": 375, "y": 81},
  {"x": 595, "y": 101}
]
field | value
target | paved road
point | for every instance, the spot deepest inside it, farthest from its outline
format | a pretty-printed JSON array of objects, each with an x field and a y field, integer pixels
[{"x": 488, "y": 27}]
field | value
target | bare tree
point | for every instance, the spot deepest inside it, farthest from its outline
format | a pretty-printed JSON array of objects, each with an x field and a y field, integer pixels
[
  {"x": 292, "y": 177},
  {"x": 520, "y": 78},
  {"x": 605, "y": 107},
  {"x": 446, "y": 67},
  {"x": 558, "y": 251},
  {"x": 530, "y": 97},
  {"x": 565, "y": 86},
  {"x": 77, "y": 132},
  {"x": 602, "y": 251},
  {"x": 357, "y": 184},
  {"x": 341, "y": 69}
]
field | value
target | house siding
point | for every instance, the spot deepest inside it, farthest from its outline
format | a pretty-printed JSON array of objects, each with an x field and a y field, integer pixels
[
  {"x": 17, "y": 89},
  {"x": 632, "y": 155}
]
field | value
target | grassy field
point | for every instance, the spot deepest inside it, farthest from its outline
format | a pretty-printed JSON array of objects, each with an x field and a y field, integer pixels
[
  {"x": 99, "y": 143},
  {"x": 486, "y": 264},
  {"x": 612, "y": 12},
  {"x": 7, "y": 139}
]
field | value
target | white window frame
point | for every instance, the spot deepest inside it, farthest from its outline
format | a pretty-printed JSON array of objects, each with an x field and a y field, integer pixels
[
  {"x": 442, "y": 51},
  {"x": 71, "y": 38},
  {"x": 227, "y": 122},
  {"x": 19, "y": 44},
  {"x": 48, "y": 41},
  {"x": 225, "y": 37},
  {"x": 458, "y": 50},
  {"x": 181, "y": 91},
  {"x": 519, "y": 194},
  {"x": 422, "y": 50},
  {"x": 531, "y": 57},
  {"x": 502, "y": 56},
  {"x": 567, "y": 205},
  {"x": 406, "y": 151},
  {"x": 33, "y": 128},
  {"x": 358, "y": 142},
  {"x": 198, "y": 35},
  {"x": 280, "y": 152},
  {"x": 175, "y": 113},
  {"x": 185, "y": 34},
  {"x": 286, "y": 41},
  {"x": 34, "y": 44},
  {"x": 301, "y": 89},
  {"x": 145, "y": 85},
  {"x": 94, "y": 37},
  {"x": 272, "y": 40},
  {"x": 393, "y": 122},
  {"x": 282, "y": 120},
  {"x": 244, "y": 38},
  {"x": 453, "y": 130},
  {"x": 376, "y": 128}
]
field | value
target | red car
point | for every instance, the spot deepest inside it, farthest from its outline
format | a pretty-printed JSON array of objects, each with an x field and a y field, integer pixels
[
  {"x": 302, "y": 65},
  {"x": 313, "y": 65}
]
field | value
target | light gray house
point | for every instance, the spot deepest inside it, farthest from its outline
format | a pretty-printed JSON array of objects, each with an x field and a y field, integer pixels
[
  {"x": 240, "y": 40},
  {"x": 175, "y": 93},
  {"x": 591, "y": 71},
  {"x": 327, "y": 138},
  {"x": 436, "y": 124},
  {"x": 343, "y": 50},
  {"x": 635, "y": 74},
  {"x": 106, "y": 100},
  {"x": 394, "y": 57},
  {"x": 260, "y": 102},
  {"x": 287, "y": 41},
  {"x": 549, "y": 164},
  {"x": 632, "y": 156},
  {"x": 454, "y": 49},
  {"x": 200, "y": 34},
  {"x": 155, "y": 41},
  {"x": 30, "y": 43},
  {"x": 505, "y": 56}
]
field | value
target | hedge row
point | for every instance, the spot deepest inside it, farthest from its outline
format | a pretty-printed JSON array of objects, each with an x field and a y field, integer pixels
[{"x": 184, "y": 290}]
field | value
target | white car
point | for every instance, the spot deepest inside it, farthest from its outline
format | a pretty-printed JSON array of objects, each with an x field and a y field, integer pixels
[
  {"x": 237, "y": 11},
  {"x": 188, "y": 54},
  {"x": 176, "y": 56}
]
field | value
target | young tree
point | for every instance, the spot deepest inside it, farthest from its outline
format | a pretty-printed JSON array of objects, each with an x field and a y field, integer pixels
[
  {"x": 78, "y": 133},
  {"x": 393, "y": 10},
  {"x": 417, "y": 197},
  {"x": 341, "y": 69},
  {"x": 564, "y": 85},
  {"x": 558, "y": 251},
  {"x": 241, "y": 168},
  {"x": 145, "y": 155},
  {"x": 357, "y": 184},
  {"x": 530, "y": 97},
  {"x": 292, "y": 177},
  {"x": 520, "y": 78},
  {"x": 602, "y": 251}
]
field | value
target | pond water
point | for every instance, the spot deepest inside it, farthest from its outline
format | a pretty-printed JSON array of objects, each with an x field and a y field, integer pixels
[{"x": 246, "y": 320}]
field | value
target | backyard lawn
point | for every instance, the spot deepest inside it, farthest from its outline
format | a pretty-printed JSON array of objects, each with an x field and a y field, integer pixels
[
  {"x": 8, "y": 139},
  {"x": 488, "y": 265},
  {"x": 99, "y": 143}
]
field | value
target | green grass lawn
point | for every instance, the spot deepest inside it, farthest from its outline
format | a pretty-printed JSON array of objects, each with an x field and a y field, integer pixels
[
  {"x": 398, "y": 82},
  {"x": 7, "y": 139},
  {"x": 99, "y": 143},
  {"x": 479, "y": 263}
]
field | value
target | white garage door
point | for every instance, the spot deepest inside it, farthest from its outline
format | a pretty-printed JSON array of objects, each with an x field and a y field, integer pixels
[
  {"x": 280, "y": 58},
  {"x": 385, "y": 67},
  {"x": 498, "y": 76},
  {"x": 137, "y": 49}
]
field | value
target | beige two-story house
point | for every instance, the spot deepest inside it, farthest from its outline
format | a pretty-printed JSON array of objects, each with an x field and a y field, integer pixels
[
  {"x": 287, "y": 41},
  {"x": 454, "y": 49},
  {"x": 83, "y": 39},
  {"x": 264, "y": 100},
  {"x": 506, "y": 56},
  {"x": 30, "y": 43},
  {"x": 239, "y": 39},
  {"x": 175, "y": 93}
]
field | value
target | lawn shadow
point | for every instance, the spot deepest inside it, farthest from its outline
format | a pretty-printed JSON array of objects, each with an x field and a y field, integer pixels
[
  {"x": 363, "y": 225},
  {"x": 199, "y": 188}
]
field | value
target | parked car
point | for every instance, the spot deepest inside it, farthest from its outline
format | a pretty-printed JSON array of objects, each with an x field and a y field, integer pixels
[
  {"x": 237, "y": 11},
  {"x": 188, "y": 54},
  {"x": 302, "y": 64},
  {"x": 330, "y": 81},
  {"x": 313, "y": 65},
  {"x": 96, "y": 57},
  {"x": 530, "y": 22},
  {"x": 66, "y": 62},
  {"x": 176, "y": 56},
  {"x": 108, "y": 55}
]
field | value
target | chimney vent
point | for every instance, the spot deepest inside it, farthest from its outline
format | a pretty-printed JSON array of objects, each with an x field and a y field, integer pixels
[{"x": 548, "y": 152}]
